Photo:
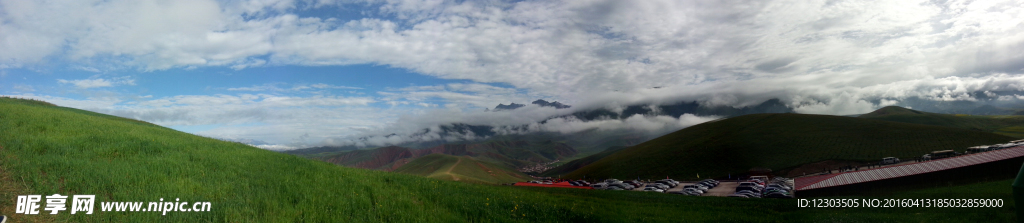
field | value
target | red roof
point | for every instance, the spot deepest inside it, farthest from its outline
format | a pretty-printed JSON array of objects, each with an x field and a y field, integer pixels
[{"x": 831, "y": 180}]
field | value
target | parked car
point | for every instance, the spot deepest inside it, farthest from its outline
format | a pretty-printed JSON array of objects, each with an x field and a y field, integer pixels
[
  {"x": 712, "y": 183},
  {"x": 653, "y": 189},
  {"x": 623, "y": 186},
  {"x": 693, "y": 189},
  {"x": 777, "y": 188},
  {"x": 773, "y": 190},
  {"x": 754, "y": 189},
  {"x": 583, "y": 183},
  {"x": 708, "y": 184},
  {"x": 670, "y": 183},
  {"x": 738, "y": 195},
  {"x": 695, "y": 186},
  {"x": 634, "y": 183},
  {"x": 749, "y": 193},
  {"x": 890, "y": 160},
  {"x": 600, "y": 186},
  {"x": 750, "y": 184},
  {"x": 778, "y": 195},
  {"x": 702, "y": 187},
  {"x": 783, "y": 186},
  {"x": 659, "y": 186}
]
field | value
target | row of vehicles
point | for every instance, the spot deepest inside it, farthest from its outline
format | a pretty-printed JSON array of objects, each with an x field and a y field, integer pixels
[
  {"x": 661, "y": 185},
  {"x": 579, "y": 183},
  {"x": 949, "y": 152},
  {"x": 697, "y": 189},
  {"x": 778, "y": 187},
  {"x": 615, "y": 184},
  {"x": 978, "y": 149}
]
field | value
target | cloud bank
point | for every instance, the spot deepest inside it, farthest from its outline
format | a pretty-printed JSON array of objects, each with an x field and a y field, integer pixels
[{"x": 822, "y": 57}]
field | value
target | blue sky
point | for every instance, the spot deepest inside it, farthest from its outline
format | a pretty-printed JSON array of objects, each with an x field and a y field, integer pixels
[{"x": 300, "y": 73}]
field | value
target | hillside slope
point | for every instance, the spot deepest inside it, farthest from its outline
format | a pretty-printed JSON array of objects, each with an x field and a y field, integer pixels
[
  {"x": 580, "y": 163},
  {"x": 778, "y": 141},
  {"x": 515, "y": 154},
  {"x": 1005, "y": 125},
  {"x": 461, "y": 168}
]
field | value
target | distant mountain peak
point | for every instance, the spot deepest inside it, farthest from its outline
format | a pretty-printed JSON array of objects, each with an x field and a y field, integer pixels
[
  {"x": 511, "y": 106},
  {"x": 538, "y": 102},
  {"x": 556, "y": 104}
]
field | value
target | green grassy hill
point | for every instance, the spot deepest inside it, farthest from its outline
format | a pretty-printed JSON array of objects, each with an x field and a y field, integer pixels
[
  {"x": 1009, "y": 125},
  {"x": 461, "y": 168},
  {"x": 573, "y": 165},
  {"x": 499, "y": 150},
  {"x": 778, "y": 141},
  {"x": 46, "y": 150}
]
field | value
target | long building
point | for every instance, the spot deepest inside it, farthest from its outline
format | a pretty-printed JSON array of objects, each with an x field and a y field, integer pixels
[{"x": 998, "y": 164}]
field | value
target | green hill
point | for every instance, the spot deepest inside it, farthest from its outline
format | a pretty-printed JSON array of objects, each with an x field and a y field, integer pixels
[
  {"x": 573, "y": 165},
  {"x": 505, "y": 151},
  {"x": 1009, "y": 125},
  {"x": 461, "y": 168},
  {"x": 894, "y": 110},
  {"x": 778, "y": 141}
]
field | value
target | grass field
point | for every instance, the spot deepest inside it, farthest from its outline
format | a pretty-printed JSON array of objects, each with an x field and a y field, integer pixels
[
  {"x": 46, "y": 150},
  {"x": 461, "y": 168},
  {"x": 778, "y": 141}
]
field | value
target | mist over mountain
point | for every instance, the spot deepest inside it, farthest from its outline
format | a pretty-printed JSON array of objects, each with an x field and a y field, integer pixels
[
  {"x": 651, "y": 117},
  {"x": 645, "y": 120},
  {"x": 543, "y": 103}
]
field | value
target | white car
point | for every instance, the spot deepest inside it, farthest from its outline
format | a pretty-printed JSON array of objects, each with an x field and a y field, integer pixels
[
  {"x": 890, "y": 160},
  {"x": 694, "y": 186},
  {"x": 693, "y": 190},
  {"x": 652, "y": 189}
]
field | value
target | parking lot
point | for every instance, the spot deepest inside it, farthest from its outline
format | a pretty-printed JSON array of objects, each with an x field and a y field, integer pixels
[{"x": 724, "y": 189}]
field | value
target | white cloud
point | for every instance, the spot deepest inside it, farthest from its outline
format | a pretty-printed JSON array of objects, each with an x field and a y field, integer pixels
[
  {"x": 560, "y": 49},
  {"x": 271, "y": 118},
  {"x": 467, "y": 96},
  {"x": 277, "y": 147},
  {"x": 830, "y": 57},
  {"x": 98, "y": 82},
  {"x": 298, "y": 87},
  {"x": 87, "y": 83},
  {"x": 638, "y": 123}
]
